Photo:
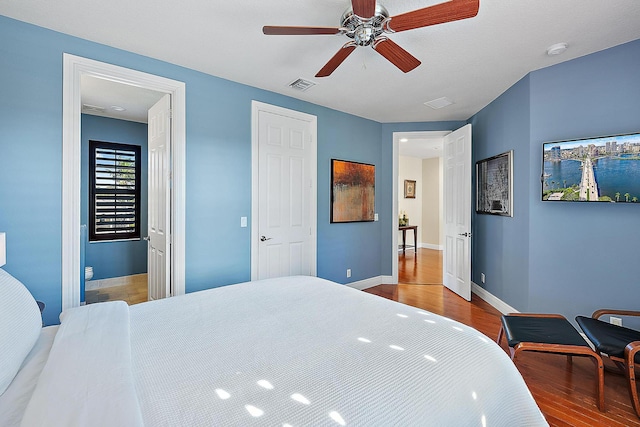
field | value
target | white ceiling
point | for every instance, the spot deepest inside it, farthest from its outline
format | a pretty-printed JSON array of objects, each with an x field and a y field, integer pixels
[
  {"x": 471, "y": 62},
  {"x": 423, "y": 145},
  {"x": 110, "y": 97}
]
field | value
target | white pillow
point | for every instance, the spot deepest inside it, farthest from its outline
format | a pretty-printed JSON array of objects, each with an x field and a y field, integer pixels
[{"x": 20, "y": 325}]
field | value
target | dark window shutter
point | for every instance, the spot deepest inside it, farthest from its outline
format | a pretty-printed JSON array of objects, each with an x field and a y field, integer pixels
[{"x": 114, "y": 191}]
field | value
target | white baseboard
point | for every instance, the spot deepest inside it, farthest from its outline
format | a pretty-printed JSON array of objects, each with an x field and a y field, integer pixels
[
  {"x": 494, "y": 301},
  {"x": 370, "y": 282},
  {"x": 430, "y": 246},
  {"x": 91, "y": 285}
]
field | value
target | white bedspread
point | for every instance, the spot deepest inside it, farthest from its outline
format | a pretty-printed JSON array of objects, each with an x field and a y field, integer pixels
[
  {"x": 303, "y": 351},
  {"x": 87, "y": 380},
  {"x": 13, "y": 402}
]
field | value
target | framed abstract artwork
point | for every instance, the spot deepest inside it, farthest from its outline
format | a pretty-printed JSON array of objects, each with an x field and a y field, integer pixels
[
  {"x": 494, "y": 185},
  {"x": 352, "y": 191}
]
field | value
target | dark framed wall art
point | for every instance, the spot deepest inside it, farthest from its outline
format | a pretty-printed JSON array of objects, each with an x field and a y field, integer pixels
[
  {"x": 352, "y": 191},
  {"x": 494, "y": 185}
]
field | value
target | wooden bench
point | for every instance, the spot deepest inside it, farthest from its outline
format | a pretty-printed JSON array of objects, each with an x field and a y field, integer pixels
[{"x": 549, "y": 333}]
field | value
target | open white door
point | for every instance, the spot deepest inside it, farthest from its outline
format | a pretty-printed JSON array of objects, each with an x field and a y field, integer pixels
[
  {"x": 159, "y": 248},
  {"x": 285, "y": 236},
  {"x": 457, "y": 212}
]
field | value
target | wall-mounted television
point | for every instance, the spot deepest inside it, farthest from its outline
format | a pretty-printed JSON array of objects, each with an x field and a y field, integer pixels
[{"x": 599, "y": 169}]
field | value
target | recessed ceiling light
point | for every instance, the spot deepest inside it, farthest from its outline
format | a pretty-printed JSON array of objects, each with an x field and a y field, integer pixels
[
  {"x": 439, "y": 103},
  {"x": 556, "y": 49},
  {"x": 404, "y": 140},
  {"x": 118, "y": 108}
]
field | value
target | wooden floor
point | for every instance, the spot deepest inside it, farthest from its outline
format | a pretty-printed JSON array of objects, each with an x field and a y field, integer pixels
[
  {"x": 564, "y": 393},
  {"x": 133, "y": 293},
  {"x": 422, "y": 268}
]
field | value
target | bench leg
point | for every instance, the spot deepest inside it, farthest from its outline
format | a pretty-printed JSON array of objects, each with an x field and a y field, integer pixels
[
  {"x": 631, "y": 376},
  {"x": 599, "y": 381}
]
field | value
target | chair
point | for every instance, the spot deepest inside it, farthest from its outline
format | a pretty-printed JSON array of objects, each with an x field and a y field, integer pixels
[{"x": 620, "y": 344}]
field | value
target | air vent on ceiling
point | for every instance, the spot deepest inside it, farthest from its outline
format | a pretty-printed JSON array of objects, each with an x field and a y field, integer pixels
[
  {"x": 439, "y": 103},
  {"x": 88, "y": 108},
  {"x": 301, "y": 84}
]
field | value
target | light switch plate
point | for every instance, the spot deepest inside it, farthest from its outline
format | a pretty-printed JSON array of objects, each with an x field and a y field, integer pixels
[{"x": 243, "y": 221}]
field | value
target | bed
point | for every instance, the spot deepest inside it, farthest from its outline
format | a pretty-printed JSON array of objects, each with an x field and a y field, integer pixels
[{"x": 294, "y": 351}]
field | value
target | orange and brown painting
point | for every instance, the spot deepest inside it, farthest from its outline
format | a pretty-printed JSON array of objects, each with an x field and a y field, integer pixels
[{"x": 352, "y": 192}]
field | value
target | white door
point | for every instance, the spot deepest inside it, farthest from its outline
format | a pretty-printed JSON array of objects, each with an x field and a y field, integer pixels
[
  {"x": 159, "y": 248},
  {"x": 286, "y": 192},
  {"x": 457, "y": 212}
]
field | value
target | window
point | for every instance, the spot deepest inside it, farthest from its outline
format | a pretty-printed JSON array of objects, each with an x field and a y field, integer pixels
[{"x": 114, "y": 191}]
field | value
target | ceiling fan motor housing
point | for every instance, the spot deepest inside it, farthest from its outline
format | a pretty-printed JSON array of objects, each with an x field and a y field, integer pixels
[{"x": 364, "y": 31}]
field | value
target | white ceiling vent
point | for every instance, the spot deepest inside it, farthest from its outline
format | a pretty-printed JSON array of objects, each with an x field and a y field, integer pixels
[
  {"x": 439, "y": 103},
  {"x": 301, "y": 84}
]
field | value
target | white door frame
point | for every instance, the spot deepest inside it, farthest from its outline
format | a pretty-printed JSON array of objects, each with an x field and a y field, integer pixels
[
  {"x": 256, "y": 107},
  {"x": 74, "y": 67},
  {"x": 395, "y": 172}
]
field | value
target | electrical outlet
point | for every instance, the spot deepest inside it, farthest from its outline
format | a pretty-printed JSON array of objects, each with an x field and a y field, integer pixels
[
  {"x": 615, "y": 321},
  {"x": 348, "y": 272},
  {"x": 375, "y": 217},
  {"x": 482, "y": 277}
]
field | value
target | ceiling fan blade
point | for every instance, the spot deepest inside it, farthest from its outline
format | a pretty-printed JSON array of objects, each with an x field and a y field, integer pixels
[
  {"x": 364, "y": 8},
  {"x": 299, "y": 31},
  {"x": 337, "y": 59},
  {"x": 444, "y": 12},
  {"x": 396, "y": 55}
]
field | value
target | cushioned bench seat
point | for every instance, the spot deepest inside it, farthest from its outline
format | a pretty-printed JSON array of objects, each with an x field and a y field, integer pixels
[{"x": 549, "y": 333}]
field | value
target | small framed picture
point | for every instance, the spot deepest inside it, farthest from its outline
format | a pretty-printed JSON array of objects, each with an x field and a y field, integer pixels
[{"x": 409, "y": 189}]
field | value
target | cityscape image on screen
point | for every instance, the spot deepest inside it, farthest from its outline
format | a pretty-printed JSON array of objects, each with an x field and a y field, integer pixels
[{"x": 602, "y": 169}]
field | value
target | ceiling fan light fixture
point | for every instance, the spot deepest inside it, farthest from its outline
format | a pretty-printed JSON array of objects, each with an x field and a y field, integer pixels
[
  {"x": 436, "y": 104},
  {"x": 557, "y": 49}
]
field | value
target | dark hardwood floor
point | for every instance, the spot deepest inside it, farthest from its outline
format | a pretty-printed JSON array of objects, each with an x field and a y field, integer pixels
[{"x": 565, "y": 393}]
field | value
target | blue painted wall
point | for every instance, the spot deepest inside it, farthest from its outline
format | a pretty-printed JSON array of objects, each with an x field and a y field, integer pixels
[
  {"x": 218, "y": 152},
  {"x": 500, "y": 245},
  {"x": 549, "y": 257},
  {"x": 567, "y": 258},
  {"x": 114, "y": 259}
]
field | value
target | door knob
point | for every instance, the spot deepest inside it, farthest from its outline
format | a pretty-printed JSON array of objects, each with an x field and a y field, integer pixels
[
  {"x": 146, "y": 238},
  {"x": 465, "y": 234},
  {"x": 264, "y": 239}
]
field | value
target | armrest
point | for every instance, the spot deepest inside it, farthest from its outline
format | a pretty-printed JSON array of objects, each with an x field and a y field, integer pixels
[
  {"x": 598, "y": 313},
  {"x": 630, "y": 352}
]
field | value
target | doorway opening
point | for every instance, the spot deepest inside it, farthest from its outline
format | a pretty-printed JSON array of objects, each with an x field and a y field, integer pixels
[
  {"x": 418, "y": 205},
  {"x": 75, "y": 68},
  {"x": 114, "y": 190}
]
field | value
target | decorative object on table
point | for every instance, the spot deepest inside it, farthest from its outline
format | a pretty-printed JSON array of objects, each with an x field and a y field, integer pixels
[
  {"x": 403, "y": 219},
  {"x": 352, "y": 191},
  {"x": 494, "y": 185},
  {"x": 409, "y": 189}
]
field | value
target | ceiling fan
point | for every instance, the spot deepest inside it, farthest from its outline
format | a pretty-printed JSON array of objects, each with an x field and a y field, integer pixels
[{"x": 366, "y": 22}]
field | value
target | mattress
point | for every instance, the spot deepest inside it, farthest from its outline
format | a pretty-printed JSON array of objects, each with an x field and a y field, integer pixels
[
  {"x": 294, "y": 351},
  {"x": 305, "y": 351}
]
